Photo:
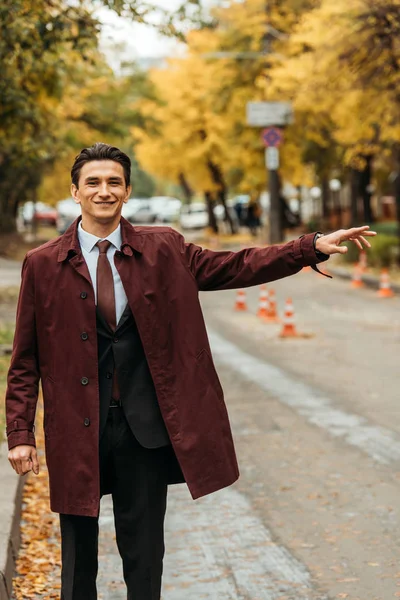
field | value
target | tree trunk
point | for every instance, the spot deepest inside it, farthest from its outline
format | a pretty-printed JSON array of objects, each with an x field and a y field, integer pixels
[
  {"x": 16, "y": 187},
  {"x": 365, "y": 190},
  {"x": 212, "y": 221},
  {"x": 325, "y": 199},
  {"x": 219, "y": 180},
  {"x": 187, "y": 190},
  {"x": 354, "y": 186}
]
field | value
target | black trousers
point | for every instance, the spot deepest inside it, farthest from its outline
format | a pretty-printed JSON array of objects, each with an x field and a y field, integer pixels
[{"x": 137, "y": 479}]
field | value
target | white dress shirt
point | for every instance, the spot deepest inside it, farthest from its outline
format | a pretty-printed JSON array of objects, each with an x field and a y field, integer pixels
[{"x": 91, "y": 253}]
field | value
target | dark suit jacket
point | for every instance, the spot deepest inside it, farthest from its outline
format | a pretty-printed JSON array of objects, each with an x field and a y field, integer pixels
[{"x": 124, "y": 348}]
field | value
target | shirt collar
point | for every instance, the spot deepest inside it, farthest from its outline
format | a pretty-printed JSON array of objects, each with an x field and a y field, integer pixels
[{"x": 88, "y": 240}]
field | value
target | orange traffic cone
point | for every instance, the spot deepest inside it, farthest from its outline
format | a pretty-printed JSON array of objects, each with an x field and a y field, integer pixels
[
  {"x": 357, "y": 282},
  {"x": 272, "y": 313},
  {"x": 263, "y": 304},
  {"x": 241, "y": 300},
  {"x": 363, "y": 263},
  {"x": 289, "y": 327},
  {"x": 385, "y": 291}
]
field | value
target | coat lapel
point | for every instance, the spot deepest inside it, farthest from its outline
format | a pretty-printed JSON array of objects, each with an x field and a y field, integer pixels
[{"x": 78, "y": 263}]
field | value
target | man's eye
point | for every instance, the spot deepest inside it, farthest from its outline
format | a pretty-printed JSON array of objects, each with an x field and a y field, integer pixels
[{"x": 92, "y": 183}]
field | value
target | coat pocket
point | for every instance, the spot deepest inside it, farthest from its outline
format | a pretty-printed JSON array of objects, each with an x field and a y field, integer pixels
[{"x": 208, "y": 372}]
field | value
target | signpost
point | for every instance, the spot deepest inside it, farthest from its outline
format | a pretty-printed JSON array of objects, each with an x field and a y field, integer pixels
[
  {"x": 265, "y": 114},
  {"x": 272, "y": 116},
  {"x": 272, "y": 137}
]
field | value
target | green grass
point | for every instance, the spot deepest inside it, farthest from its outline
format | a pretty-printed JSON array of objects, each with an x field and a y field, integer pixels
[{"x": 6, "y": 337}]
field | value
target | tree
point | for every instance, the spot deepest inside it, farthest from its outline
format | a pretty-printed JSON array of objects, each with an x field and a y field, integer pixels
[
  {"x": 50, "y": 66},
  {"x": 42, "y": 47}
]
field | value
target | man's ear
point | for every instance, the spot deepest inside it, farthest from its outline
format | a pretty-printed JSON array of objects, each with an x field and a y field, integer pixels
[
  {"x": 128, "y": 193},
  {"x": 74, "y": 193}
]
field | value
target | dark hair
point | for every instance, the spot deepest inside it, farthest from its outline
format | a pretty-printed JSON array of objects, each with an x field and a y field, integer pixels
[{"x": 100, "y": 151}]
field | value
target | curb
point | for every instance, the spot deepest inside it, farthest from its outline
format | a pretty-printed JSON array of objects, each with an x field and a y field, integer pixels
[
  {"x": 369, "y": 280},
  {"x": 10, "y": 516}
]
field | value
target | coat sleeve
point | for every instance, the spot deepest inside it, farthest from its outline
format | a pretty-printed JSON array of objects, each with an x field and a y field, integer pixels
[
  {"x": 23, "y": 375},
  {"x": 252, "y": 266}
]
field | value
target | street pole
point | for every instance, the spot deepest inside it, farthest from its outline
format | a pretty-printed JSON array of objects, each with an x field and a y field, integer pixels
[
  {"x": 275, "y": 212},
  {"x": 272, "y": 162}
]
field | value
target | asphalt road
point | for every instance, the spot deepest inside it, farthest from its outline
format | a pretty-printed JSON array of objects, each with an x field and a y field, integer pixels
[{"x": 315, "y": 514}]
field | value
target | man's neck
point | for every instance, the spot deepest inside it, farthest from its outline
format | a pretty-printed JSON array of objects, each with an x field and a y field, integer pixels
[{"x": 100, "y": 230}]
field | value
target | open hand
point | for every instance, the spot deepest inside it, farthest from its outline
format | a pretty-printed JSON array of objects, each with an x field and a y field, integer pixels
[{"x": 330, "y": 243}]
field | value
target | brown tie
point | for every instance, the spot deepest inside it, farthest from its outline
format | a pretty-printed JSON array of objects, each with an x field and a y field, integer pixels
[{"x": 106, "y": 297}]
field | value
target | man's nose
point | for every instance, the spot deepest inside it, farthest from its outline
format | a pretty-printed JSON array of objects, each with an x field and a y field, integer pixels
[{"x": 104, "y": 192}]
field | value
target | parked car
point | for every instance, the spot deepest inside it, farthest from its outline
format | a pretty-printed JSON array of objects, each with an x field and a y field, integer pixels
[
  {"x": 131, "y": 207},
  {"x": 168, "y": 211},
  {"x": 40, "y": 213},
  {"x": 144, "y": 213},
  {"x": 67, "y": 211},
  {"x": 194, "y": 216}
]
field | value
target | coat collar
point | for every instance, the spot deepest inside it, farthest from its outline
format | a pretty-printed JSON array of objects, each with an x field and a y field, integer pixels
[{"x": 131, "y": 240}]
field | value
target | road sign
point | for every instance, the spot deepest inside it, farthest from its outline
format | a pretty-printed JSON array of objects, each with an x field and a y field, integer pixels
[
  {"x": 264, "y": 114},
  {"x": 272, "y": 137},
  {"x": 272, "y": 158}
]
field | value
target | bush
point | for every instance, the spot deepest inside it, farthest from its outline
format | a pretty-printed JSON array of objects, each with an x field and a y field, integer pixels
[
  {"x": 386, "y": 227},
  {"x": 384, "y": 251}
]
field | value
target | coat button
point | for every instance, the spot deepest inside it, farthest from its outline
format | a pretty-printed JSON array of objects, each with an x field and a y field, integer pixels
[
  {"x": 86, "y": 422},
  {"x": 84, "y": 336},
  {"x": 83, "y": 295},
  {"x": 115, "y": 340},
  {"x": 108, "y": 375},
  {"x": 84, "y": 381}
]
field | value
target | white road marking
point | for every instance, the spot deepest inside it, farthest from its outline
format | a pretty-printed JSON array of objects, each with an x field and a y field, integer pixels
[
  {"x": 378, "y": 442},
  {"x": 218, "y": 549}
]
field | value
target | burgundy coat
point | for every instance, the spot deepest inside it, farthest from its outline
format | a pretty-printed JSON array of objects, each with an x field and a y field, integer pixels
[{"x": 162, "y": 276}]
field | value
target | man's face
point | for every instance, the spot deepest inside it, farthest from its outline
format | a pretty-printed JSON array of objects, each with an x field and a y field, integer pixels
[{"x": 101, "y": 191}]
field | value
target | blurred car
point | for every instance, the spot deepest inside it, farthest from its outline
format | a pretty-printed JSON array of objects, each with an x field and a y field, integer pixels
[
  {"x": 194, "y": 216},
  {"x": 67, "y": 211},
  {"x": 40, "y": 213},
  {"x": 169, "y": 211},
  {"x": 158, "y": 209},
  {"x": 143, "y": 213},
  {"x": 130, "y": 208},
  {"x": 45, "y": 215}
]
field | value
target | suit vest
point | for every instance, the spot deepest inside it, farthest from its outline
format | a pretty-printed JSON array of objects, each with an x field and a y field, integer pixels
[{"x": 123, "y": 347}]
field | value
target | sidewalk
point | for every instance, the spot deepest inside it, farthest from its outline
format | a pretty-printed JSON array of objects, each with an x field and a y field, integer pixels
[
  {"x": 10, "y": 516},
  {"x": 10, "y": 272}
]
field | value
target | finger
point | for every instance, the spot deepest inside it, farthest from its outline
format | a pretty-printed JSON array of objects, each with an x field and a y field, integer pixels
[
  {"x": 35, "y": 462},
  {"x": 18, "y": 465},
  {"x": 357, "y": 243},
  {"x": 26, "y": 466},
  {"x": 339, "y": 250},
  {"x": 365, "y": 242},
  {"x": 358, "y": 230},
  {"x": 12, "y": 462}
]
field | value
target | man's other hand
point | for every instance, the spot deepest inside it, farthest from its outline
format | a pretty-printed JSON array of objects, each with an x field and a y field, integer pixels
[
  {"x": 24, "y": 459},
  {"x": 330, "y": 243}
]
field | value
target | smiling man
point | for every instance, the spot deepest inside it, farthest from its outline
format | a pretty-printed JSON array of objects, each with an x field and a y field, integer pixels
[{"x": 109, "y": 320}]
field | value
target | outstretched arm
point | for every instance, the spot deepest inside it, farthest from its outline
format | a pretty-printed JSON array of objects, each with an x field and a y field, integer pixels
[{"x": 253, "y": 266}]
